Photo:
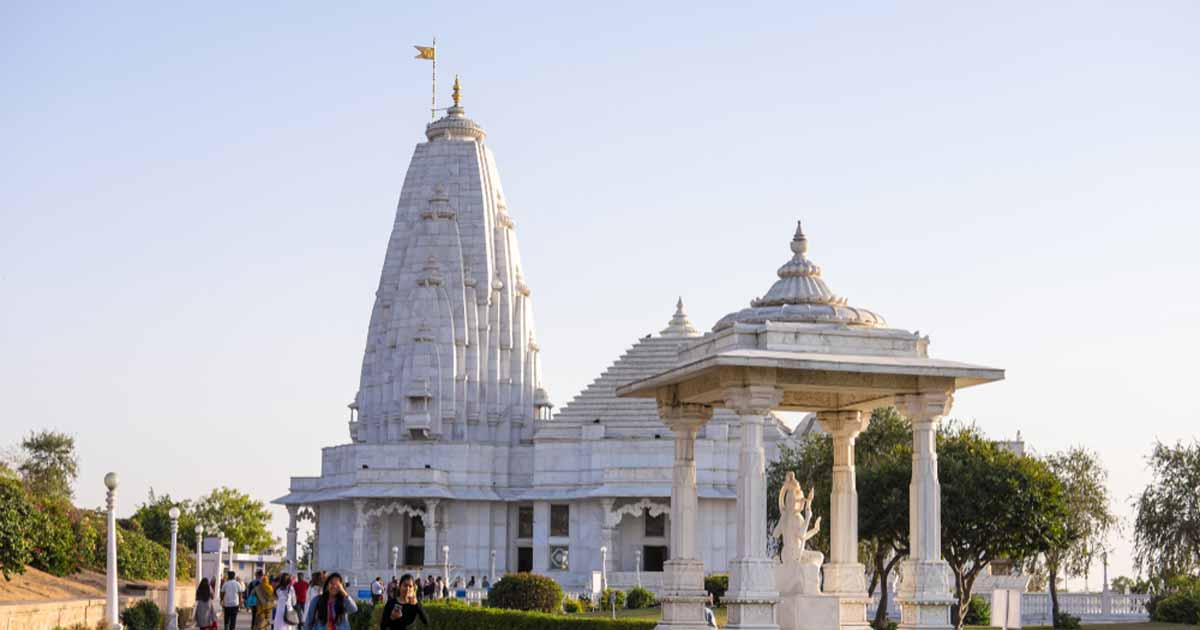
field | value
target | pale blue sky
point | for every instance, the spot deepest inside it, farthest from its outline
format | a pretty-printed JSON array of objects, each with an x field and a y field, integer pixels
[{"x": 194, "y": 203}]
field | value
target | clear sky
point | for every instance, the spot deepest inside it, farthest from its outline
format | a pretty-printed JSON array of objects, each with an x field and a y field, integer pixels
[{"x": 194, "y": 204}]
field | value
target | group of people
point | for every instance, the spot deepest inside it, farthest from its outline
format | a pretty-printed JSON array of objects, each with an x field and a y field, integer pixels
[
  {"x": 284, "y": 602},
  {"x": 278, "y": 602},
  {"x": 431, "y": 588}
]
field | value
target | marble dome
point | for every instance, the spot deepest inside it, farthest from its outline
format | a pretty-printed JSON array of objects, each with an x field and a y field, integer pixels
[{"x": 801, "y": 296}]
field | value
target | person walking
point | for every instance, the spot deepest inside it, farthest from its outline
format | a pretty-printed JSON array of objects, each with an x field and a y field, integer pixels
[
  {"x": 301, "y": 588},
  {"x": 377, "y": 590},
  {"x": 286, "y": 617},
  {"x": 204, "y": 615},
  {"x": 332, "y": 609},
  {"x": 403, "y": 609},
  {"x": 314, "y": 591},
  {"x": 231, "y": 600},
  {"x": 251, "y": 599},
  {"x": 264, "y": 600}
]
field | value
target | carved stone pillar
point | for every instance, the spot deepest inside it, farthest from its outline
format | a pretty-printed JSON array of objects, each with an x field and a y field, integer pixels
[
  {"x": 314, "y": 562},
  {"x": 608, "y": 530},
  {"x": 433, "y": 550},
  {"x": 752, "y": 594},
  {"x": 358, "y": 549},
  {"x": 291, "y": 538},
  {"x": 683, "y": 575},
  {"x": 541, "y": 536},
  {"x": 926, "y": 591},
  {"x": 845, "y": 576}
]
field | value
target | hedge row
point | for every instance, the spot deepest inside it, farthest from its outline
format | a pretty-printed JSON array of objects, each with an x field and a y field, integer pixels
[{"x": 452, "y": 617}]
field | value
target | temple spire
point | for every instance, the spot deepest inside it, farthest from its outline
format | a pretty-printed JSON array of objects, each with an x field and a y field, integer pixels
[
  {"x": 680, "y": 325},
  {"x": 457, "y": 95}
]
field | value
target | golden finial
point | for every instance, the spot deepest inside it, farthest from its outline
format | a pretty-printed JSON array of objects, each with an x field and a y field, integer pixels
[{"x": 457, "y": 94}]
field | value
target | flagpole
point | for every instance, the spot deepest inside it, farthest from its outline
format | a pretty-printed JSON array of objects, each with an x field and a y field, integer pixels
[{"x": 433, "y": 98}]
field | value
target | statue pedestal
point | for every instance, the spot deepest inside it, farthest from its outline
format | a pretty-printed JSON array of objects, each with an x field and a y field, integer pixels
[{"x": 802, "y": 605}]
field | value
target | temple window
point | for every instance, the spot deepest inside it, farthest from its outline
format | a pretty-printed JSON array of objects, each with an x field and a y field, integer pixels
[{"x": 560, "y": 520}]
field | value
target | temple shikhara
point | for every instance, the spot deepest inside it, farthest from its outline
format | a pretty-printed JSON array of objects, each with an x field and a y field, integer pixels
[{"x": 653, "y": 473}]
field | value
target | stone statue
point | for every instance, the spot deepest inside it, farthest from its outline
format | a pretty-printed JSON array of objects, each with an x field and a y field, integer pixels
[{"x": 795, "y": 513}]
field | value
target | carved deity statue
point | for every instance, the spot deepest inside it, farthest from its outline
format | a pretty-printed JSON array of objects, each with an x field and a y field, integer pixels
[{"x": 795, "y": 513}]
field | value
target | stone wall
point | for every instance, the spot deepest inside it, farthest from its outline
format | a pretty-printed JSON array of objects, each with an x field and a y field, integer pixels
[{"x": 48, "y": 615}]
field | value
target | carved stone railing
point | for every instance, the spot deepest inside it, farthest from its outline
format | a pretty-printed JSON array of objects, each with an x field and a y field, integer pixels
[{"x": 1036, "y": 609}]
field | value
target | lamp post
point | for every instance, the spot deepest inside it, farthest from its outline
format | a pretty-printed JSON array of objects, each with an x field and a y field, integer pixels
[
  {"x": 395, "y": 558},
  {"x": 637, "y": 565},
  {"x": 1104, "y": 556},
  {"x": 110, "y": 566},
  {"x": 172, "y": 614},
  {"x": 492, "y": 568},
  {"x": 446, "y": 565},
  {"x": 603, "y": 569},
  {"x": 199, "y": 557}
]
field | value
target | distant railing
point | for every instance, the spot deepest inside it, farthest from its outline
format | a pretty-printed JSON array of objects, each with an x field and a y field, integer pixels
[{"x": 1036, "y": 609}]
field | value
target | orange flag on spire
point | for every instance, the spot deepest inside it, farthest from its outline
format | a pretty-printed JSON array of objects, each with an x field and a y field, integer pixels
[{"x": 424, "y": 52}]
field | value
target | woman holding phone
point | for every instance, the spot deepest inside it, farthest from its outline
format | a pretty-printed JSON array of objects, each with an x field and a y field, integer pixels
[{"x": 403, "y": 609}]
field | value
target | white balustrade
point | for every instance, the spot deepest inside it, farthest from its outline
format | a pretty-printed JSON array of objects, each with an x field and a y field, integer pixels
[{"x": 1036, "y": 608}]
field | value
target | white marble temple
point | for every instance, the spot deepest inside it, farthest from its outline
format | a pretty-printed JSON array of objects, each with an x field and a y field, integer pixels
[{"x": 451, "y": 440}]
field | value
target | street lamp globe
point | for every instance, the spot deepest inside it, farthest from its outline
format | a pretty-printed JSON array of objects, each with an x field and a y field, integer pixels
[
  {"x": 110, "y": 481},
  {"x": 199, "y": 529},
  {"x": 173, "y": 513}
]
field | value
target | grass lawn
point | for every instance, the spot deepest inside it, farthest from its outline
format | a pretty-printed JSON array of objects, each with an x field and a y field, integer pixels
[{"x": 653, "y": 613}]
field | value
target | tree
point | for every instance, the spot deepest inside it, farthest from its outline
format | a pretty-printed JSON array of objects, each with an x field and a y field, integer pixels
[
  {"x": 154, "y": 518},
  {"x": 242, "y": 518},
  {"x": 1087, "y": 519},
  {"x": 1166, "y": 531},
  {"x": 883, "y": 455},
  {"x": 16, "y": 519},
  {"x": 306, "y": 550},
  {"x": 995, "y": 504},
  {"x": 1124, "y": 584},
  {"x": 884, "y": 460},
  {"x": 50, "y": 466}
]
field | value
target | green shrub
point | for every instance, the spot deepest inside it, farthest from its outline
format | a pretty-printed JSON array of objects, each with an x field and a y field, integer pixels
[
  {"x": 139, "y": 558},
  {"x": 888, "y": 624},
  {"x": 89, "y": 537},
  {"x": 979, "y": 613},
  {"x": 716, "y": 584},
  {"x": 367, "y": 616},
  {"x": 16, "y": 522},
  {"x": 607, "y": 598},
  {"x": 185, "y": 615},
  {"x": 376, "y": 617},
  {"x": 1066, "y": 621},
  {"x": 571, "y": 606},
  {"x": 143, "y": 615},
  {"x": 526, "y": 591},
  {"x": 55, "y": 546},
  {"x": 639, "y": 598},
  {"x": 1182, "y": 606},
  {"x": 443, "y": 617}
]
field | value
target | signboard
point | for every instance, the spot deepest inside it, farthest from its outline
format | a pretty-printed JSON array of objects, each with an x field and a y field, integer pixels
[
  {"x": 363, "y": 594},
  {"x": 213, "y": 544}
]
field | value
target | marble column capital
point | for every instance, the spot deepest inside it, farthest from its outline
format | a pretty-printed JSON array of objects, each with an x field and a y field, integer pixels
[
  {"x": 753, "y": 400},
  {"x": 925, "y": 406},
  {"x": 846, "y": 423},
  {"x": 684, "y": 416}
]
